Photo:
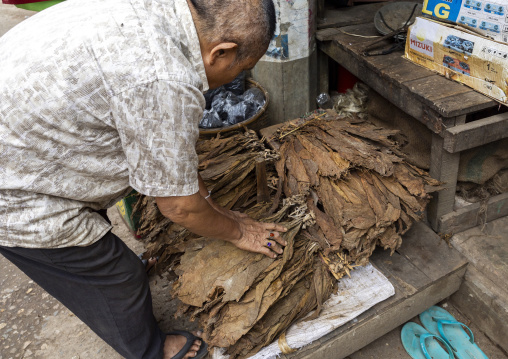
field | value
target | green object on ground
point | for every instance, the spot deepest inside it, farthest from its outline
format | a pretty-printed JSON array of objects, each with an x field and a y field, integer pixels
[
  {"x": 39, "y": 6},
  {"x": 125, "y": 207}
]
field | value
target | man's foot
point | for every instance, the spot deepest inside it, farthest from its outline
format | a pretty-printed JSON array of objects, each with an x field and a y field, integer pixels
[
  {"x": 174, "y": 343},
  {"x": 148, "y": 263}
]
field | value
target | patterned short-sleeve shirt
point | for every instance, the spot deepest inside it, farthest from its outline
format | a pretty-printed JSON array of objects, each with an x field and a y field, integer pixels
[{"x": 96, "y": 98}]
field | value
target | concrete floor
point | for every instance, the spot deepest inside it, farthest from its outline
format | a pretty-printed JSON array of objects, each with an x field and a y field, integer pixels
[
  {"x": 34, "y": 325},
  {"x": 11, "y": 16}
]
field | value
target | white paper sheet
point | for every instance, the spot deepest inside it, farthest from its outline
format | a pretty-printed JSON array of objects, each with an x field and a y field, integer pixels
[{"x": 366, "y": 287}]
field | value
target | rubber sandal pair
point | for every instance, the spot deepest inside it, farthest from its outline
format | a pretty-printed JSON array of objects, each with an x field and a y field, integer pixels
[
  {"x": 203, "y": 349},
  {"x": 440, "y": 327}
]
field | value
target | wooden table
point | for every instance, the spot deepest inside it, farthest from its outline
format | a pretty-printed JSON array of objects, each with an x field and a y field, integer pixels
[{"x": 444, "y": 106}]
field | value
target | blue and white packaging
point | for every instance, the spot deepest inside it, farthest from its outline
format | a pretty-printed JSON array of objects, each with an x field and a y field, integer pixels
[
  {"x": 486, "y": 17},
  {"x": 460, "y": 55}
]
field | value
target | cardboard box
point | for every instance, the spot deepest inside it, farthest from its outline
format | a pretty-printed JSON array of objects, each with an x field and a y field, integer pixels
[
  {"x": 486, "y": 17},
  {"x": 467, "y": 58}
]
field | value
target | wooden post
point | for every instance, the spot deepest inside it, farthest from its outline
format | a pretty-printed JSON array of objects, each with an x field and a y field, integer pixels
[
  {"x": 323, "y": 72},
  {"x": 263, "y": 193},
  {"x": 444, "y": 167}
]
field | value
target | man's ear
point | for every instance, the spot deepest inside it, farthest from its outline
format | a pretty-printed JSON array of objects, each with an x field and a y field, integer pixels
[{"x": 224, "y": 52}]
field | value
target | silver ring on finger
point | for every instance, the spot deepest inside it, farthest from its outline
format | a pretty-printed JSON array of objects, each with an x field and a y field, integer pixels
[{"x": 271, "y": 234}]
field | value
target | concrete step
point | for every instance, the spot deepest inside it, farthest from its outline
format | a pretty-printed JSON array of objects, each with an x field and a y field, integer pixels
[
  {"x": 484, "y": 303},
  {"x": 390, "y": 346},
  {"x": 483, "y": 296}
]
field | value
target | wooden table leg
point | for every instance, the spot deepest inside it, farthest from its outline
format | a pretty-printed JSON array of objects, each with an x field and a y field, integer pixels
[
  {"x": 323, "y": 72},
  {"x": 444, "y": 166}
]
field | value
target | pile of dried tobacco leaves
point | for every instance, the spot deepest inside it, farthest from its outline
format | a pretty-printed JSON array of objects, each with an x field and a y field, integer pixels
[{"x": 339, "y": 185}]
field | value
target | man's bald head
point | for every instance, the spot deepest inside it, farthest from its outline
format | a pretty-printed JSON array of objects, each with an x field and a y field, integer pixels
[{"x": 248, "y": 23}]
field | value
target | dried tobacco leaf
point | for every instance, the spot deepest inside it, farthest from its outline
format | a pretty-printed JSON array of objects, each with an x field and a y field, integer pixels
[{"x": 343, "y": 189}]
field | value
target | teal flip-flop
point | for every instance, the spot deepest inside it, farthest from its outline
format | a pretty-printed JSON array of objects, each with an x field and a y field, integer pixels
[
  {"x": 420, "y": 344},
  {"x": 440, "y": 322}
]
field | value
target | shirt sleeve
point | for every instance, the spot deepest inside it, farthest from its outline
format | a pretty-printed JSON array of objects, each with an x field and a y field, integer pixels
[{"x": 158, "y": 127}]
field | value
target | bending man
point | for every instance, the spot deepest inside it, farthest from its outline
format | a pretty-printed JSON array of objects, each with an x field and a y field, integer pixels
[{"x": 98, "y": 97}]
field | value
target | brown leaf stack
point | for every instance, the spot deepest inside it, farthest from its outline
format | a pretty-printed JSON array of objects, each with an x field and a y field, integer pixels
[{"x": 340, "y": 186}]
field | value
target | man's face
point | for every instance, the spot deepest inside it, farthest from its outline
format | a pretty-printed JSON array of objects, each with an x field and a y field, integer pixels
[{"x": 221, "y": 75}]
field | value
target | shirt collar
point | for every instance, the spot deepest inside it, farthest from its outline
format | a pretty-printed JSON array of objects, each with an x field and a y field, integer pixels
[{"x": 184, "y": 14}]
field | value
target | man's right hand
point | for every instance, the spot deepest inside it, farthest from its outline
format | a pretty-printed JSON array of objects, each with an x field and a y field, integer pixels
[
  {"x": 197, "y": 215},
  {"x": 260, "y": 237}
]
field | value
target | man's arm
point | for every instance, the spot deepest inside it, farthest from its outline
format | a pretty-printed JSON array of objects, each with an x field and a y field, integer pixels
[
  {"x": 203, "y": 191},
  {"x": 194, "y": 213},
  {"x": 207, "y": 219}
]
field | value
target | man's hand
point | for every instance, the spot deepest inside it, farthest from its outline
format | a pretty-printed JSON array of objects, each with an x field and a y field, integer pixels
[
  {"x": 260, "y": 237},
  {"x": 208, "y": 219},
  {"x": 255, "y": 235}
]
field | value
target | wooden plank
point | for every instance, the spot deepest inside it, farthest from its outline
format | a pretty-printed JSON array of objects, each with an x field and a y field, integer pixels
[
  {"x": 476, "y": 133},
  {"x": 456, "y": 105},
  {"x": 263, "y": 193},
  {"x": 393, "y": 90},
  {"x": 390, "y": 90},
  {"x": 433, "y": 88},
  {"x": 327, "y": 34},
  {"x": 349, "y": 16},
  {"x": 321, "y": 10},
  {"x": 356, "y": 37},
  {"x": 428, "y": 252},
  {"x": 400, "y": 271},
  {"x": 444, "y": 167},
  {"x": 412, "y": 84},
  {"x": 269, "y": 132},
  {"x": 378, "y": 63},
  {"x": 471, "y": 216},
  {"x": 323, "y": 72},
  {"x": 415, "y": 291},
  {"x": 340, "y": 55},
  {"x": 342, "y": 344},
  {"x": 426, "y": 88},
  {"x": 404, "y": 71}
]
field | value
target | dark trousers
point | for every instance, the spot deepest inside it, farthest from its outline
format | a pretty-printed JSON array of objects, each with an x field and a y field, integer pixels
[{"x": 104, "y": 285}]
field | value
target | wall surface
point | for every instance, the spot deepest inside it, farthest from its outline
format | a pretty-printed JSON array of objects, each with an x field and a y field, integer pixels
[{"x": 288, "y": 70}]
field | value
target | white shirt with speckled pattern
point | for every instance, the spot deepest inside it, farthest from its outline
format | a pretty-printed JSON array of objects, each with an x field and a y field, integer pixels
[{"x": 96, "y": 98}]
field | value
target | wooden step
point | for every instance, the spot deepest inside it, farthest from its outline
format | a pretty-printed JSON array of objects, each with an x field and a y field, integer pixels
[{"x": 424, "y": 271}]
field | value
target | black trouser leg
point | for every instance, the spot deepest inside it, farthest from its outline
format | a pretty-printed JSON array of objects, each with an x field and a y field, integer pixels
[{"x": 104, "y": 285}]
